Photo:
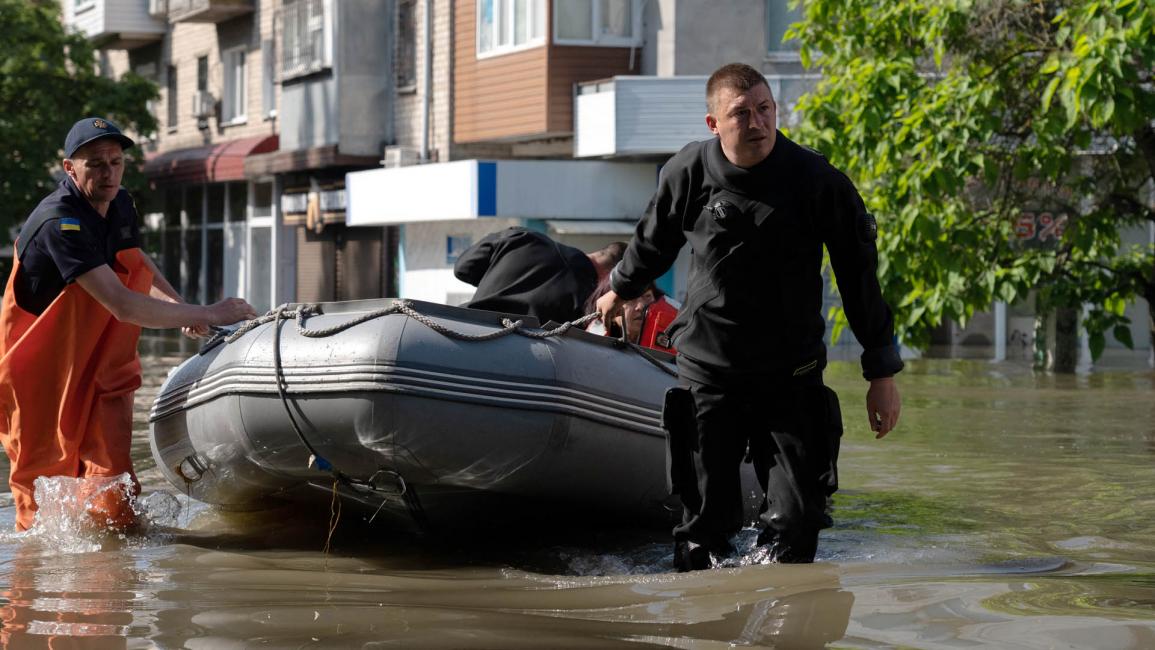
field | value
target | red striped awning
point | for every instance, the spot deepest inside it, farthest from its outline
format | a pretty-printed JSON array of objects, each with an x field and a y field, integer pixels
[{"x": 224, "y": 161}]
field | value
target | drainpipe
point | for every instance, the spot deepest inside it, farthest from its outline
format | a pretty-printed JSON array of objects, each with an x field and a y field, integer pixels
[{"x": 427, "y": 73}]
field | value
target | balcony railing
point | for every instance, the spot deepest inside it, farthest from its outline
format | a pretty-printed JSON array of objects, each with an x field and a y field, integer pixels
[
  {"x": 116, "y": 24},
  {"x": 629, "y": 116},
  {"x": 207, "y": 11}
]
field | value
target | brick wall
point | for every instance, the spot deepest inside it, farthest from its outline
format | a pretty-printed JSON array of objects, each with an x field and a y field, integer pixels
[
  {"x": 408, "y": 107},
  {"x": 183, "y": 45}
]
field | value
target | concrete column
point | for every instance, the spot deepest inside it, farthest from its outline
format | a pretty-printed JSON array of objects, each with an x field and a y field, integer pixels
[
  {"x": 203, "y": 289},
  {"x": 183, "y": 280},
  {"x": 1000, "y": 331},
  {"x": 283, "y": 274}
]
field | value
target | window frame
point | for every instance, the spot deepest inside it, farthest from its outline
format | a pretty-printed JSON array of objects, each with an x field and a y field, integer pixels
[
  {"x": 313, "y": 62},
  {"x": 779, "y": 55},
  {"x": 148, "y": 70},
  {"x": 537, "y": 12},
  {"x": 635, "y": 40},
  {"x": 172, "y": 110},
  {"x": 269, "y": 66},
  {"x": 203, "y": 72},
  {"x": 234, "y": 91},
  {"x": 405, "y": 52}
]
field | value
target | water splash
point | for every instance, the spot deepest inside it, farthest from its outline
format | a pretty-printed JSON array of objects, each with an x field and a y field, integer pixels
[
  {"x": 82, "y": 515},
  {"x": 158, "y": 509},
  {"x": 83, "y": 508}
]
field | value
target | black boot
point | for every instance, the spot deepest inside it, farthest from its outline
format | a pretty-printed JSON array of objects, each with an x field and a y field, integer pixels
[
  {"x": 692, "y": 556},
  {"x": 689, "y": 556},
  {"x": 792, "y": 548}
]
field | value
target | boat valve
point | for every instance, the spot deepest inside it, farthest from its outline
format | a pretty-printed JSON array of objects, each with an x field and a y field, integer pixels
[
  {"x": 192, "y": 468},
  {"x": 380, "y": 482}
]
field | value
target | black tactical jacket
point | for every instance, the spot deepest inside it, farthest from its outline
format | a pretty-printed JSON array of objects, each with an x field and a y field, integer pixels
[{"x": 754, "y": 302}]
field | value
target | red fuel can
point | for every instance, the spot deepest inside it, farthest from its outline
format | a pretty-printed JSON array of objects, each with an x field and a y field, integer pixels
[{"x": 657, "y": 318}]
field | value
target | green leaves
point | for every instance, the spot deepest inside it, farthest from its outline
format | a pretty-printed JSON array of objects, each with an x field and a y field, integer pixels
[
  {"x": 959, "y": 120},
  {"x": 49, "y": 79}
]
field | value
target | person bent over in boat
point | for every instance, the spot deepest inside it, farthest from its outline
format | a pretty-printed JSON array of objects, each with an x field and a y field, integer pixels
[
  {"x": 520, "y": 271},
  {"x": 643, "y": 320},
  {"x": 756, "y": 209},
  {"x": 79, "y": 292}
]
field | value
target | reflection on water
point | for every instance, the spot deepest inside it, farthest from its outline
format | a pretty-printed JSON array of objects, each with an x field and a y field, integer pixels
[
  {"x": 52, "y": 597},
  {"x": 1009, "y": 510}
]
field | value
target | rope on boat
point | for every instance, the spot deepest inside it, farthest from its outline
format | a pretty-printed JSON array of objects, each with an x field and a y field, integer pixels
[
  {"x": 302, "y": 313},
  {"x": 509, "y": 326}
]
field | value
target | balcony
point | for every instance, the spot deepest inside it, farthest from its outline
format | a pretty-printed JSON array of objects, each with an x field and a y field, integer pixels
[
  {"x": 207, "y": 11},
  {"x": 115, "y": 24},
  {"x": 636, "y": 116}
]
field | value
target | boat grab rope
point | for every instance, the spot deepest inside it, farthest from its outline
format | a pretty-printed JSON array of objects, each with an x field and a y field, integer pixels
[
  {"x": 302, "y": 313},
  {"x": 509, "y": 326},
  {"x": 408, "y": 496}
]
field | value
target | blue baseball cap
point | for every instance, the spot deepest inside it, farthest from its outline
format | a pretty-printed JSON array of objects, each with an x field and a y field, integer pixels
[{"x": 90, "y": 129}]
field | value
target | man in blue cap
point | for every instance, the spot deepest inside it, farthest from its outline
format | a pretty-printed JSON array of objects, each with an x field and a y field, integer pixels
[{"x": 79, "y": 292}]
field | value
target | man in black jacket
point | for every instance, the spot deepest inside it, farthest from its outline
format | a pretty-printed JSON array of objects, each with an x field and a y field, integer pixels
[
  {"x": 757, "y": 209},
  {"x": 520, "y": 271}
]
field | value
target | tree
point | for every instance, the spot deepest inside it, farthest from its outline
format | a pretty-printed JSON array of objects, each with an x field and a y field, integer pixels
[
  {"x": 49, "y": 78},
  {"x": 1005, "y": 146}
]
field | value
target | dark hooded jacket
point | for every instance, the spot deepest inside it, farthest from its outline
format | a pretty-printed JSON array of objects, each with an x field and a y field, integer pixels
[
  {"x": 520, "y": 271},
  {"x": 754, "y": 301}
]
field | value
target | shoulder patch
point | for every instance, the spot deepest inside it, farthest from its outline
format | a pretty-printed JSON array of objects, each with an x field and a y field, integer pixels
[
  {"x": 867, "y": 228},
  {"x": 69, "y": 223}
]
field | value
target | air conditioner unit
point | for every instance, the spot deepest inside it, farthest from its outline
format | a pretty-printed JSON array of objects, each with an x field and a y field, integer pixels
[
  {"x": 400, "y": 157},
  {"x": 158, "y": 8},
  {"x": 203, "y": 104}
]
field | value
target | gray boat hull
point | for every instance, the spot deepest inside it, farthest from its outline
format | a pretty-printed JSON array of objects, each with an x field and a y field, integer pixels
[{"x": 424, "y": 427}]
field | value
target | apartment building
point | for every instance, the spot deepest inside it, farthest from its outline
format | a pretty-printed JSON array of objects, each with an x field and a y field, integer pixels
[
  {"x": 472, "y": 115},
  {"x": 205, "y": 219},
  {"x": 562, "y": 112},
  {"x": 337, "y": 149},
  {"x": 265, "y": 106}
]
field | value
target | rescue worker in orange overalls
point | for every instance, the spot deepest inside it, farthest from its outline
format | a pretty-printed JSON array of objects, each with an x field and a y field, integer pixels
[{"x": 79, "y": 293}]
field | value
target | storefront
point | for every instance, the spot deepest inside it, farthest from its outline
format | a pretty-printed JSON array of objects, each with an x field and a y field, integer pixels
[
  {"x": 441, "y": 209},
  {"x": 211, "y": 223}
]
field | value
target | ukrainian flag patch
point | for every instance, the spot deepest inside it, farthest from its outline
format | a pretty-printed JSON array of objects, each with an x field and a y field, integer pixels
[{"x": 70, "y": 223}]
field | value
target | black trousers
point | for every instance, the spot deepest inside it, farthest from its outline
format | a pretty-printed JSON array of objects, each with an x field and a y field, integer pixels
[{"x": 791, "y": 432}]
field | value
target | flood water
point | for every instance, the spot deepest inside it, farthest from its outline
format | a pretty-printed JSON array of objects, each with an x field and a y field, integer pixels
[{"x": 1011, "y": 509}]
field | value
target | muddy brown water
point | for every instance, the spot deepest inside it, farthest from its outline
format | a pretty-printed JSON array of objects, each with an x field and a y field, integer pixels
[{"x": 1011, "y": 509}]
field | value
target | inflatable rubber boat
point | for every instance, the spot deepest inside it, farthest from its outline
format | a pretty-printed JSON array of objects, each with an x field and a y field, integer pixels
[{"x": 418, "y": 412}]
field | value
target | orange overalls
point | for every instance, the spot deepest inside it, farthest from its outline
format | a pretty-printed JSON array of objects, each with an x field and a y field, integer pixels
[{"x": 67, "y": 379}]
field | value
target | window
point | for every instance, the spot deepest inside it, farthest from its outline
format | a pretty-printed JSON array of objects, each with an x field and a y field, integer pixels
[
  {"x": 306, "y": 37},
  {"x": 268, "y": 79},
  {"x": 509, "y": 25},
  {"x": 234, "y": 99},
  {"x": 148, "y": 71},
  {"x": 258, "y": 272},
  {"x": 405, "y": 58},
  {"x": 170, "y": 97},
  {"x": 202, "y": 73},
  {"x": 779, "y": 17},
  {"x": 615, "y": 23}
]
